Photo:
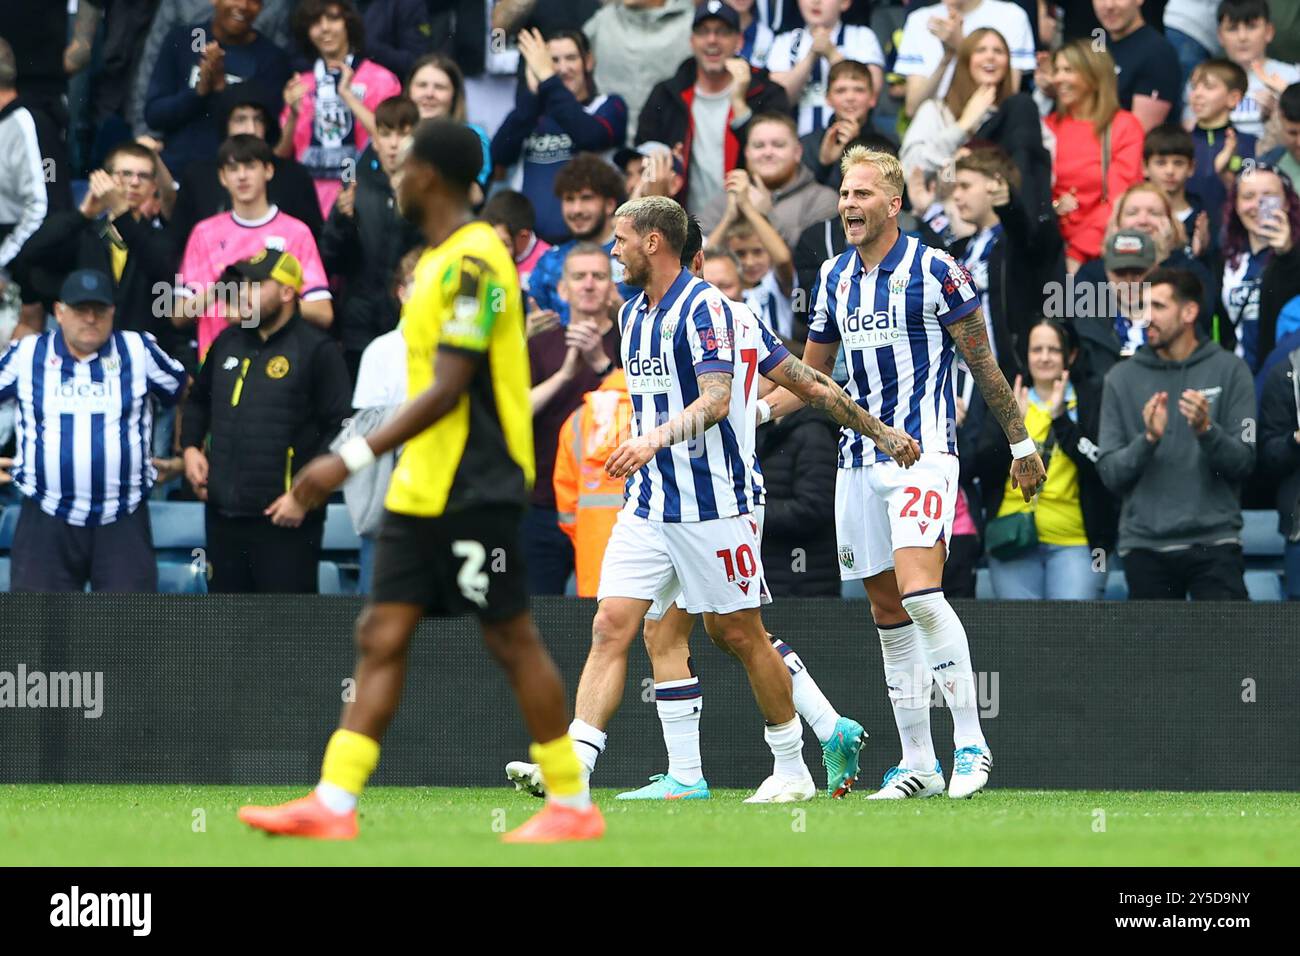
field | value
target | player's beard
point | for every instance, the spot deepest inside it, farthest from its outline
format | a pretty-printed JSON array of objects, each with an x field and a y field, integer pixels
[{"x": 636, "y": 272}]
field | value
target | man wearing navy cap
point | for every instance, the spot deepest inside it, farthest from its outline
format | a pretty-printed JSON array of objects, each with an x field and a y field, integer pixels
[
  {"x": 82, "y": 459},
  {"x": 704, "y": 110}
]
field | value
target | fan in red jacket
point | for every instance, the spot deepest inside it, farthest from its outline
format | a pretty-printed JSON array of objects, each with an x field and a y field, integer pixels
[{"x": 704, "y": 110}]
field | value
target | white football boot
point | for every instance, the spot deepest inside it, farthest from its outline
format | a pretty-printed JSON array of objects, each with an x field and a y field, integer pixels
[
  {"x": 779, "y": 788},
  {"x": 526, "y": 777},
  {"x": 970, "y": 772},
  {"x": 902, "y": 784}
]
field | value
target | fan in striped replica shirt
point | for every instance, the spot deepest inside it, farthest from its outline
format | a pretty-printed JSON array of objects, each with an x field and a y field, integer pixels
[
  {"x": 85, "y": 429},
  {"x": 688, "y": 524},
  {"x": 902, "y": 310}
]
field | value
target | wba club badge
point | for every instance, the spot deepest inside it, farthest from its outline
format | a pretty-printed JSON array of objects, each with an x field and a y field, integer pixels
[{"x": 846, "y": 557}]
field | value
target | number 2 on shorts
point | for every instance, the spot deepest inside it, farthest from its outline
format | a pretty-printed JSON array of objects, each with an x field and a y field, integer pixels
[{"x": 471, "y": 579}]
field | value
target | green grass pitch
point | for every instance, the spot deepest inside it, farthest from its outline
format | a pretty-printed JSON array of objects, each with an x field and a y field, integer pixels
[{"x": 92, "y": 825}]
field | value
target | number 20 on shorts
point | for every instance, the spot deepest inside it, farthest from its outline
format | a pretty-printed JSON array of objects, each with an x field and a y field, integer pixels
[{"x": 932, "y": 505}]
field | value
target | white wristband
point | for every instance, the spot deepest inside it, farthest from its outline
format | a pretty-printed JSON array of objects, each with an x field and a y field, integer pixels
[
  {"x": 764, "y": 412},
  {"x": 1023, "y": 448},
  {"x": 356, "y": 454}
]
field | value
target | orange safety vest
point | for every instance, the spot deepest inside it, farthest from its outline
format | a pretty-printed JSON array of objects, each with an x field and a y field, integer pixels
[{"x": 587, "y": 499}]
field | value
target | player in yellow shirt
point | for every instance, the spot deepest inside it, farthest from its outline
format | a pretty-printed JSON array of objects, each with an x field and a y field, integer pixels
[{"x": 454, "y": 504}]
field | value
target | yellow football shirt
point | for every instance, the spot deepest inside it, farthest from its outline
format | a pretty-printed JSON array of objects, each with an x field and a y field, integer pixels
[
  {"x": 466, "y": 298},
  {"x": 1058, "y": 515}
]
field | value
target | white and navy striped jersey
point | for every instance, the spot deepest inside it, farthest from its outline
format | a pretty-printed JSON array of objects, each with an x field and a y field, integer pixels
[
  {"x": 85, "y": 427},
  {"x": 855, "y": 42},
  {"x": 892, "y": 323},
  {"x": 693, "y": 330},
  {"x": 975, "y": 257},
  {"x": 770, "y": 304}
]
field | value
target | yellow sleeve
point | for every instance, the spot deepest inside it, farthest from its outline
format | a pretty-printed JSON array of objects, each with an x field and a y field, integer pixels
[
  {"x": 565, "y": 476},
  {"x": 477, "y": 298}
]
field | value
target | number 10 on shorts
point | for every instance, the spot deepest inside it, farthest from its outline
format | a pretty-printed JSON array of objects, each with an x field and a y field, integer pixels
[{"x": 742, "y": 561}]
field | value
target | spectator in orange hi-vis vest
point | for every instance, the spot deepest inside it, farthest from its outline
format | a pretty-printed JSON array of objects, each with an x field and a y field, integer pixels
[{"x": 588, "y": 500}]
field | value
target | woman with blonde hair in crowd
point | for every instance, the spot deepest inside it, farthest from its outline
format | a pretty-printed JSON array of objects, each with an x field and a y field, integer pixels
[
  {"x": 1146, "y": 208},
  {"x": 1098, "y": 153}
]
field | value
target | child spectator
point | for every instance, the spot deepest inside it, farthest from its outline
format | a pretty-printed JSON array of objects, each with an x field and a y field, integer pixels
[
  {"x": 557, "y": 115},
  {"x": 766, "y": 268},
  {"x": 244, "y": 108},
  {"x": 987, "y": 195},
  {"x": 1217, "y": 87},
  {"x": 252, "y": 225},
  {"x": 1245, "y": 30},
  {"x": 1287, "y": 156},
  {"x": 1168, "y": 158},
  {"x": 850, "y": 93},
  {"x": 329, "y": 111},
  {"x": 801, "y": 59},
  {"x": 511, "y": 215},
  {"x": 757, "y": 35},
  {"x": 365, "y": 238}
]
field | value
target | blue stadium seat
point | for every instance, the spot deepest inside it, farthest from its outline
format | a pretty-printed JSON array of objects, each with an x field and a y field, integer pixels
[
  {"x": 8, "y": 522},
  {"x": 1260, "y": 538},
  {"x": 983, "y": 584},
  {"x": 1116, "y": 586},
  {"x": 330, "y": 579},
  {"x": 177, "y": 525},
  {"x": 853, "y": 591},
  {"x": 4, "y": 574},
  {"x": 181, "y": 577},
  {"x": 1264, "y": 585},
  {"x": 339, "y": 533}
]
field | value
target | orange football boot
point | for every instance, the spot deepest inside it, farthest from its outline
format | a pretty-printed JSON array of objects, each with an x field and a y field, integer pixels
[
  {"x": 558, "y": 824},
  {"x": 304, "y": 817}
]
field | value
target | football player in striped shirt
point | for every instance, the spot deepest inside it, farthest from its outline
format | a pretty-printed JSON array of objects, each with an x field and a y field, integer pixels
[
  {"x": 902, "y": 311},
  {"x": 689, "y": 526}
]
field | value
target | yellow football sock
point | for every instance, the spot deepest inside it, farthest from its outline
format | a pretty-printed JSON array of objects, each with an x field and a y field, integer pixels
[
  {"x": 350, "y": 759},
  {"x": 561, "y": 771}
]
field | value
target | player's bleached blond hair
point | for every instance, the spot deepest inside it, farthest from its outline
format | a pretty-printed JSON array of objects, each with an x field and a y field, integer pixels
[
  {"x": 886, "y": 164},
  {"x": 656, "y": 214}
]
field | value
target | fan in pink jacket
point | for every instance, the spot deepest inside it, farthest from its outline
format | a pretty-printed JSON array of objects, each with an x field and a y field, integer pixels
[{"x": 328, "y": 115}]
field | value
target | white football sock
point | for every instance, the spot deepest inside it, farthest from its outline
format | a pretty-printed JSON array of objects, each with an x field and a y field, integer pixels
[
  {"x": 947, "y": 653},
  {"x": 908, "y": 679},
  {"x": 786, "y": 742},
  {"x": 809, "y": 701},
  {"x": 588, "y": 742},
  {"x": 679, "y": 703},
  {"x": 336, "y": 798}
]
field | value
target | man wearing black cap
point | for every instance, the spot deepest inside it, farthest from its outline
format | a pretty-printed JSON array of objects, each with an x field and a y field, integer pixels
[
  {"x": 82, "y": 459},
  {"x": 271, "y": 394},
  {"x": 704, "y": 110}
]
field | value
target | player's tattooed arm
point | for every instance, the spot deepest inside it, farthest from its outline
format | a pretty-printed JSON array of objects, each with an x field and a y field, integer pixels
[
  {"x": 972, "y": 341},
  {"x": 711, "y": 407},
  {"x": 819, "y": 391}
]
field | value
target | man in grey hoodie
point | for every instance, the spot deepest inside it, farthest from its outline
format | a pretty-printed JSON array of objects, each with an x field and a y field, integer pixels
[{"x": 1177, "y": 440}]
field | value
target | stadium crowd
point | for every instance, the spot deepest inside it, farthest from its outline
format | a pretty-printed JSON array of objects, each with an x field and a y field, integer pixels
[{"x": 1118, "y": 178}]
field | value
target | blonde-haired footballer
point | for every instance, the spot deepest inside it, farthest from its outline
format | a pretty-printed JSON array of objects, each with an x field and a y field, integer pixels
[{"x": 903, "y": 311}]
